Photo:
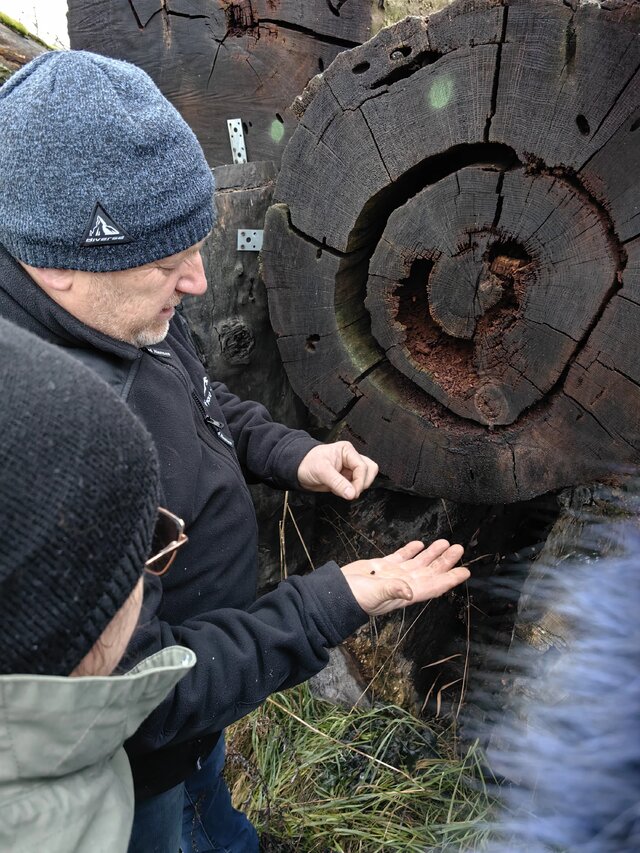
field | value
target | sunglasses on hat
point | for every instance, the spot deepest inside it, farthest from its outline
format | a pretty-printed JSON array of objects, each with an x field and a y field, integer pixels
[{"x": 168, "y": 536}]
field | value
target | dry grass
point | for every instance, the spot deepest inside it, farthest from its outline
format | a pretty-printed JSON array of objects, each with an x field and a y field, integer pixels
[{"x": 316, "y": 777}]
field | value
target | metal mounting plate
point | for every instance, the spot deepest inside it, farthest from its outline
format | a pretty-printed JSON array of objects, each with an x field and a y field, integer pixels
[
  {"x": 250, "y": 241},
  {"x": 236, "y": 139}
]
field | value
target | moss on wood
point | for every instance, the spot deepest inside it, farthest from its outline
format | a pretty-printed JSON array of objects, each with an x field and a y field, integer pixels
[
  {"x": 393, "y": 11},
  {"x": 21, "y": 30}
]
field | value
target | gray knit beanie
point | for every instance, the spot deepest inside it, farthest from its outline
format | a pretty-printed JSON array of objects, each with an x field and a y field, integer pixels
[
  {"x": 78, "y": 503},
  {"x": 98, "y": 171}
]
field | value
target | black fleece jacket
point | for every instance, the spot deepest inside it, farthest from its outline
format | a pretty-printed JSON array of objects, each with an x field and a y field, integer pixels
[{"x": 206, "y": 438}]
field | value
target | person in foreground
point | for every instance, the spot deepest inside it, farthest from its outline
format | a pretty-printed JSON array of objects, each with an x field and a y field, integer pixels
[
  {"x": 78, "y": 506},
  {"x": 106, "y": 201},
  {"x": 571, "y": 743}
]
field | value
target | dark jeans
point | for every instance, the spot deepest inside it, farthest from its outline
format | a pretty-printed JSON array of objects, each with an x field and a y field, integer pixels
[{"x": 195, "y": 816}]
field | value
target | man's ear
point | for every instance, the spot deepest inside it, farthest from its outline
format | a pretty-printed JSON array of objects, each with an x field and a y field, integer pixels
[{"x": 51, "y": 279}]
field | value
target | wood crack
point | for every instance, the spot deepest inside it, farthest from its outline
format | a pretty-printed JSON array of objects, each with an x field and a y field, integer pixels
[
  {"x": 590, "y": 414},
  {"x": 308, "y": 31},
  {"x": 496, "y": 76},
  {"x": 618, "y": 371},
  {"x": 335, "y": 10},
  {"x": 136, "y": 16},
  {"x": 500, "y": 202},
  {"x": 606, "y": 116},
  {"x": 614, "y": 104},
  {"x": 375, "y": 142},
  {"x": 514, "y": 470},
  {"x": 186, "y": 15},
  {"x": 321, "y": 245},
  {"x": 215, "y": 58},
  {"x": 629, "y": 299}
]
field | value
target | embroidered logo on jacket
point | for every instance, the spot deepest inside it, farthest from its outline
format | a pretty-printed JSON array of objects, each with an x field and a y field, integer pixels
[{"x": 103, "y": 231}]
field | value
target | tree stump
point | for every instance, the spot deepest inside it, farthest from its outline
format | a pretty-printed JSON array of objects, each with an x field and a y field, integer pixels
[
  {"x": 453, "y": 256},
  {"x": 224, "y": 59}
]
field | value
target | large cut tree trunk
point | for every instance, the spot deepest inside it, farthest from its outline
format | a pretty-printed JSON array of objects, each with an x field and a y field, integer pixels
[
  {"x": 225, "y": 59},
  {"x": 453, "y": 259}
]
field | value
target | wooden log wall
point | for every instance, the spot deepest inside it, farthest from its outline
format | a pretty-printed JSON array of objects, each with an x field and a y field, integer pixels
[{"x": 224, "y": 59}]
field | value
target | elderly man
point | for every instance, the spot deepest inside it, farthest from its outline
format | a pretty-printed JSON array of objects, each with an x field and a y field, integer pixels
[{"x": 106, "y": 201}]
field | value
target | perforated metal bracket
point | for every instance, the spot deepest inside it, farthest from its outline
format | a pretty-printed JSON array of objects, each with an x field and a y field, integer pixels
[
  {"x": 236, "y": 139},
  {"x": 249, "y": 241}
]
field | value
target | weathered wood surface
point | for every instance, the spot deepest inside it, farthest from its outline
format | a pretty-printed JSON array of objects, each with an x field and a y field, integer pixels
[
  {"x": 16, "y": 49},
  {"x": 223, "y": 59},
  {"x": 453, "y": 256}
]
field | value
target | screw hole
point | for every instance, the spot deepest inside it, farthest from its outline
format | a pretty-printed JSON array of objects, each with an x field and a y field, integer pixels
[
  {"x": 310, "y": 345},
  {"x": 361, "y": 67},
  {"x": 320, "y": 64},
  {"x": 583, "y": 125},
  {"x": 635, "y": 125},
  {"x": 279, "y": 117}
]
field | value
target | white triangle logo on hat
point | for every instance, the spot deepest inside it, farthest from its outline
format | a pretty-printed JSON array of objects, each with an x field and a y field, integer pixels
[{"x": 103, "y": 231}]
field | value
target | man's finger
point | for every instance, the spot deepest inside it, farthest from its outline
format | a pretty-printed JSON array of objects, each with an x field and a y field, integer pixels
[
  {"x": 372, "y": 471},
  {"x": 335, "y": 482},
  {"x": 433, "y": 586},
  {"x": 422, "y": 556},
  {"x": 407, "y": 552},
  {"x": 358, "y": 468},
  {"x": 446, "y": 560},
  {"x": 396, "y": 589}
]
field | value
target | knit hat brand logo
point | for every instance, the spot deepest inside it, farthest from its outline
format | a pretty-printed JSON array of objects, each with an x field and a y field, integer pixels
[{"x": 103, "y": 231}]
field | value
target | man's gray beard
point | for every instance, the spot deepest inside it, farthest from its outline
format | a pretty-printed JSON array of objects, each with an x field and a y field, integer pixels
[{"x": 149, "y": 337}]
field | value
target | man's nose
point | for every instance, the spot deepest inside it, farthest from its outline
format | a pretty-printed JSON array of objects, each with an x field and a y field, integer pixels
[{"x": 192, "y": 278}]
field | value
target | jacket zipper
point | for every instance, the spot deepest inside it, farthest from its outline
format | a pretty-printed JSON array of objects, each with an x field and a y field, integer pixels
[
  {"x": 209, "y": 421},
  {"x": 212, "y": 422}
]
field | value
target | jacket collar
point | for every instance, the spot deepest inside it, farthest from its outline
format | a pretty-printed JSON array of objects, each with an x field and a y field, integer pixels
[
  {"x": 27, "y": 305},
  {"x": 76, "y": 722}
]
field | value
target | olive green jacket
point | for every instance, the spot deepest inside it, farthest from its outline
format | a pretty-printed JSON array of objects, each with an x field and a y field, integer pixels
[{"x": 65, "y": 782}]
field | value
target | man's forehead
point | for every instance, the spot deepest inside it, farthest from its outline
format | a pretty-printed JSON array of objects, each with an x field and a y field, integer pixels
[{"x": 185, "y": 253}]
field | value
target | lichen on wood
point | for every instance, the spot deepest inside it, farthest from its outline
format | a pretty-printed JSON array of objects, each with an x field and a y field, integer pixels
[
  {"x": 391, "y": 11},
  {"x": 17, "y": 46},
  {"x": 19, "y": 28}
]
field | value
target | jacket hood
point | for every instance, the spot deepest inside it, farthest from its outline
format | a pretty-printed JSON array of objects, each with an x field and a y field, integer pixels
[{"x": 53, "y": 726}]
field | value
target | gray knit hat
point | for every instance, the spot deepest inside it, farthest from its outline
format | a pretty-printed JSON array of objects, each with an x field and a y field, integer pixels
[
  {"x": 78, "y": 503},
  {"x": 98, "y": 171}
]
